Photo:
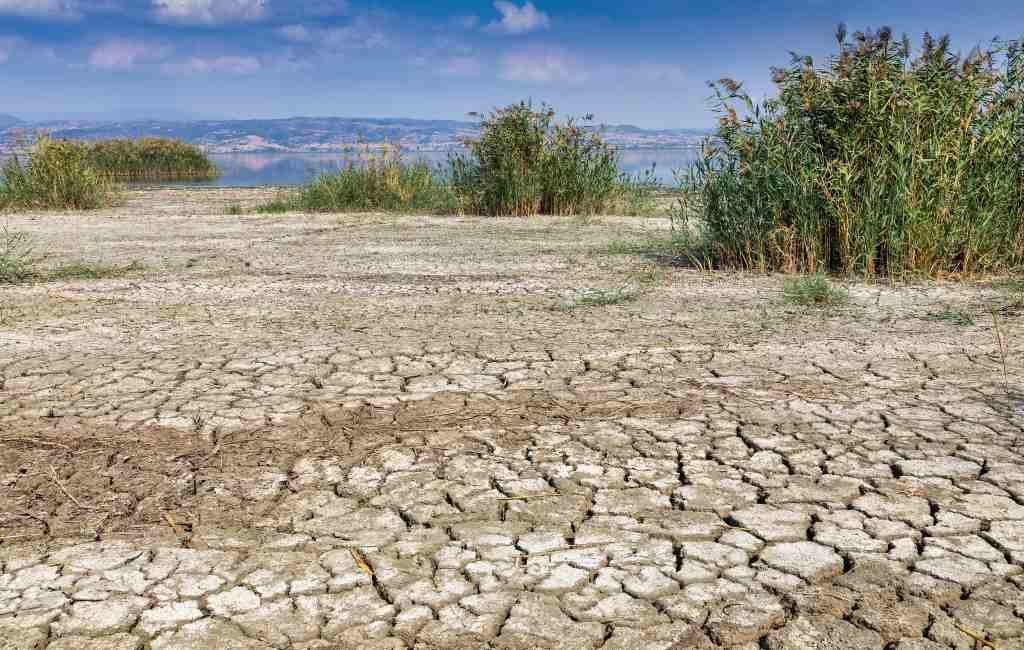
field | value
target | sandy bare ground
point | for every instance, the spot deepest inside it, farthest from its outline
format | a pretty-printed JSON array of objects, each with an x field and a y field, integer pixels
[{"x": 330, "y": 431}]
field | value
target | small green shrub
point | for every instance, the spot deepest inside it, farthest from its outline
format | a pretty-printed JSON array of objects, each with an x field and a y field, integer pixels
[
  {"x": 57, "y": 175},
  {"x": 17, "y": 257},
  {"x": 525, "y": 163},
  {"x": 812, "y": 290},
  {"x": 878, "y": 162},
  {"x": 371, "y": 181}
]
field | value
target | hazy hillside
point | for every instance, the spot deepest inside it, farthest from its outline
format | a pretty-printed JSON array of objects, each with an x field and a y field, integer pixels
[
  {"x": 313, "y": 134},
  {"x": 7, "y": 121}
]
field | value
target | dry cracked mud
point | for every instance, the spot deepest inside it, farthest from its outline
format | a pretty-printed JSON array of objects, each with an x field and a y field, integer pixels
[{"x": 396, "y": 432}]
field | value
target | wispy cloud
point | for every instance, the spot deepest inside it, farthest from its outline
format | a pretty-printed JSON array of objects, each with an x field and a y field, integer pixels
[
  {"x": 121, "y": 54},
  {"x": 359, "y": 35},
  {"x": 16, "y": 47},
  {"x": 541, "y": 67},
  {"x": 209, "y": 12},
  {"x": 460, "y": 66},
  {"x": 64, "y": 9},
  {"x": 235, "y": 65},
  {"x": 518, "y": 20}
]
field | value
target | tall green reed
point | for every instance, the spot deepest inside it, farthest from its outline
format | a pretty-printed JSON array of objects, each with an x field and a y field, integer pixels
[
  {"x": 525, "y": 162},
  {"x": 879, "y": 163}
]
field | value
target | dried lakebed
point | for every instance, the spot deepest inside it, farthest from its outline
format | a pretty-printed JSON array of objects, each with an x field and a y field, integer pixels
[{"x": 370, "y": 431}]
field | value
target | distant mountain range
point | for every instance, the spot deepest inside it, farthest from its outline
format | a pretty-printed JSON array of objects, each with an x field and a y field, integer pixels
[
  {"x": 311, "y": 134},
  {"x": 7, "y": 121}
]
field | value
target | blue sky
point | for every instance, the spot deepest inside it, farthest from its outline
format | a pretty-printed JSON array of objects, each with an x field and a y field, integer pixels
[{"x": 643, "y": 62}]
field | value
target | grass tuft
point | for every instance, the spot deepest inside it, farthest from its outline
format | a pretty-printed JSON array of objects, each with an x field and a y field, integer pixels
[
  {"x": 84, "y": 271},
  {"x": 813, "y": 291},
  {"x": 951, "y": 315},
  {"x": 17, "y": 256}
]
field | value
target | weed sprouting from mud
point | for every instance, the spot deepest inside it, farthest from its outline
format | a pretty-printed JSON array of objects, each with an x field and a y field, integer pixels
[{"x": 813, "y": 291}]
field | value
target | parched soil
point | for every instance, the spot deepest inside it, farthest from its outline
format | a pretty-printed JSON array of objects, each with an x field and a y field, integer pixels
[{"x": 376, "y": 431}]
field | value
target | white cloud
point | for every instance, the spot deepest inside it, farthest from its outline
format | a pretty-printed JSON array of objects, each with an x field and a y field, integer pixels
[
  {"x": 239, "y": 65},
  {"x": 655, "y": 73},
  {"x": 460, "y": 66},
  {"x": 209, "y": 12},
  {"x": 324, "y": 8},
  {"x": 541, "y": 67},
  {"x": 518, "y": 20},
  {"x": 360, "y": 35},
  {"x": 41, "y": 8},
  {"x": 295, "y": 33},
  {"x": 120, "y": 54}
]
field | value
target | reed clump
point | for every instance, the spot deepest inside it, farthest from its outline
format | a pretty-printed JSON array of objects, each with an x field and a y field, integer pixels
[
  {"x": 525, "y": 162},
  {"x": 880, "y": 162},
  {"x": 57, "y": 175},
  {"x": 372, "y": 180},
  {"x": 149, "y": 159}
]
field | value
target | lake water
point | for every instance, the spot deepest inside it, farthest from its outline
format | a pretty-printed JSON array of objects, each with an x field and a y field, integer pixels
[{"x": 256, "y": 169}]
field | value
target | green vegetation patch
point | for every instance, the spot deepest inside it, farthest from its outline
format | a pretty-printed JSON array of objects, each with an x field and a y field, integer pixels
[
  {"x": 56, "y": 176},
  {"x": 17, "y": 256},
  {"x": 523, "y": 163},
  {"x": 72, "y": 175},
  {"x": 149, "y": 159},
  {"x": 371, "y": 180},
  {"x": 813, "y": 291},
  {"x": 881, "y": 162},
  {"x": 85, "y": 271}
]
